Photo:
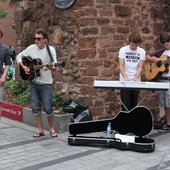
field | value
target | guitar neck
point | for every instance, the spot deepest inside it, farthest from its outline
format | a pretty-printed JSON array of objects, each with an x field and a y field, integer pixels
[
  {"x": 36, "y": 67},
  {"x": 59, "y": 64}
]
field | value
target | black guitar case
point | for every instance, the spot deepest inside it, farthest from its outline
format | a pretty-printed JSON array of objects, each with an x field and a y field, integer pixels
[{"x": 138, "y": 121}]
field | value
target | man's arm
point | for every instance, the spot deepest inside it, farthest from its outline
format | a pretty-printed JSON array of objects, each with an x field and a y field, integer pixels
[
  {"x": 19, "y": 61},
  {"x": 3, "y": 77},
  {"x": 155, "y": 56},
  {"x": 122, "y": 70},
  {"x": 139, "y": 70},
  {"x": 154, "y": 59},
  {"x": 7, "y": 63}
]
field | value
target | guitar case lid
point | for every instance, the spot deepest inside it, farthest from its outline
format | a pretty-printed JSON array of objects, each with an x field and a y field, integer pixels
[{"x": 138, "y": 121}]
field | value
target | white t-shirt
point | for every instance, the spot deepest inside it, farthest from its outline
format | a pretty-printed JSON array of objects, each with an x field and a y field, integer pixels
[
  {"x": 166, "y": 52},
  {"x": 34, "y": 52},
  {"x": 132, "y": 58}
]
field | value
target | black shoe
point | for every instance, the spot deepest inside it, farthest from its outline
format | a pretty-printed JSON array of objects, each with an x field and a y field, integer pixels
[{"x": 165, "y": 128}]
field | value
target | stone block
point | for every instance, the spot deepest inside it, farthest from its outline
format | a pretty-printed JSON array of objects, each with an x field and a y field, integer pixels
[{"x": 61, "y": 121}]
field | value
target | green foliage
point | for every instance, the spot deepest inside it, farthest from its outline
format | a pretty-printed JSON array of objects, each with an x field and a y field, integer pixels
[
  {"x": 10, "y": 84},
  {"x": 16, "y": 87},
  {"x": 23, "y": 98},
  {"x": 4, "y": 0},
  {"x": 58, "y": 100},
  {"x": 19, "y": 89},
  {"x": 3, "y": 13}
]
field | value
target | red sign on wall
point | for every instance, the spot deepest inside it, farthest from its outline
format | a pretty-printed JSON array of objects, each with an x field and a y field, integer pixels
[{"x": 12, "y": 111}]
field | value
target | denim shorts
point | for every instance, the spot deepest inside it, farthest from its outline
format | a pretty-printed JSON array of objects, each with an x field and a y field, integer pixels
[
  {"x": 41, "y": 99},
  {"x": 164, "y": 96}
]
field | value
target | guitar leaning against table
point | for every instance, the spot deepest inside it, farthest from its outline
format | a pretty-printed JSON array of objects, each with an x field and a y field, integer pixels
[
  {"x": 154, "y": 70},
  {"x": 35, "y": 65}
]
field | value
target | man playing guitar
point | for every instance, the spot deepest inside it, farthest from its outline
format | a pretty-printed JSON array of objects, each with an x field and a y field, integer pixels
[
  {"x": 165, "y": 77},
  {"x": 41, "y": 85}
]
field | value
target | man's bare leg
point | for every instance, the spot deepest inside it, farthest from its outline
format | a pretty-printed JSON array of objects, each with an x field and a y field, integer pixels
[
  {"x": 51, "y": 126},
  {"x": 40, "y": 131}
]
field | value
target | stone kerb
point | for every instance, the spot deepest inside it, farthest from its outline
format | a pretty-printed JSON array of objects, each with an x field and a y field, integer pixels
[
  {"x": 61, "y": 121},
  {"x": 24, "y": 115}
]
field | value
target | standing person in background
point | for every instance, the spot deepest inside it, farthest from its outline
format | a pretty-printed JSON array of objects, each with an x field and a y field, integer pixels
[
  {"x": 131, "y": 60},
  {"x": 5, "y": 62},
  {"x": 164, "y": 95},
  {"x": 41, "y": 86},
  {"x": 11, "y": 71},
  {"x": 13, "y": 54}
]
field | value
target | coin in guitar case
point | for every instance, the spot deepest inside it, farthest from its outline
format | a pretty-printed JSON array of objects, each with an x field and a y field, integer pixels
[{"x": 64, "y": 4}]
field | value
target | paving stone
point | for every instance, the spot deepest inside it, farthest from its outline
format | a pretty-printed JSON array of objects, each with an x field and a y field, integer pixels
[{"x": 20, "y": 151}]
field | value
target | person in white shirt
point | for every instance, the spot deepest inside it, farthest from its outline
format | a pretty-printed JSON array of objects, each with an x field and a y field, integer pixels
[
  {"x": 131, "y": 60},
  {"x": 41, "y": 86}
]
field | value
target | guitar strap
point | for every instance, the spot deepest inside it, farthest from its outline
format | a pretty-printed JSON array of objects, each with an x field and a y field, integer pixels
[{"x": 49, "y": 53}]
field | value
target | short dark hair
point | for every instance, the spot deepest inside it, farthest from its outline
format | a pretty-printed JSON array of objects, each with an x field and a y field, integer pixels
[
  {"x": 164, "y": 37},
  {"x": 135, "y": 37},
  {"x": 1, "y": 33},
  {"x": 43, "y": 32}
]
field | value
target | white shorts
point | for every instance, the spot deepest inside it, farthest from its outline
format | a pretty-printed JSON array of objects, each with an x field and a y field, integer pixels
[
  {"x": 164, "y": 96},
  {"x": 1, "y": 93}
]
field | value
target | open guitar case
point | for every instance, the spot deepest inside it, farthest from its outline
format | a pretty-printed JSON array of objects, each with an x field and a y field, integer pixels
[{"x": 138, "y": 121}]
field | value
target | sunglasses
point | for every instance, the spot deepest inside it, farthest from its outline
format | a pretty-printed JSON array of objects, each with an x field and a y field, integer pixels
[
  {"x": 163, "y": 42},
  {"x": 38, "y": 38}
]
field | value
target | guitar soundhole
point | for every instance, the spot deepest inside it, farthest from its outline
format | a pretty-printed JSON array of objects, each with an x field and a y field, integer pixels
[
  {"x": 34, "y": 71},
  {"x": 37, "y": 72},
  {"x": 159, "y": 63}
]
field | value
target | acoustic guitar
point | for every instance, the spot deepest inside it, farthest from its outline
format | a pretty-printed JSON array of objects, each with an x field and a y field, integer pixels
[
  {"x": 35, "y": 65},
  {"x": 154, "y": 70}
]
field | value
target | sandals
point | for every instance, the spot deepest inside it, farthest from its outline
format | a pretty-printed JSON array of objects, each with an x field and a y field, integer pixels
[
  {"x": 38, "y": 134},
  {"x": 53, "y": 134}
]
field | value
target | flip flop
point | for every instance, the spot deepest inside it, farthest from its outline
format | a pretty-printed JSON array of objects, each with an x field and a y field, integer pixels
[
  {"x": 53, "y": 134},
  {"x": 38, "y": 134}
]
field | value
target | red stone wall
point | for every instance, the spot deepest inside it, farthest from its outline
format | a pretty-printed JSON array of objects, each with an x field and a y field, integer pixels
[
  {"x": 7, "y": 23},
  {"x": 92, "y": 31}
]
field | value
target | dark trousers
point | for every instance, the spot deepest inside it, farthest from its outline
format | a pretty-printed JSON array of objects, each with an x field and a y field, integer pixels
[{"x": 129, "y": 99}]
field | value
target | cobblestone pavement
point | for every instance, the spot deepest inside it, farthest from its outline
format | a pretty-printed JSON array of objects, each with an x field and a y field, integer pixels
[{"x": 19, "y": 150}]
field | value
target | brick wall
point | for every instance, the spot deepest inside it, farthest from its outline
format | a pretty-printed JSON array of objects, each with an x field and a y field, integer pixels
[
  {"x": 92, "y": 31},
  {"x": 7, "y": 23}
]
